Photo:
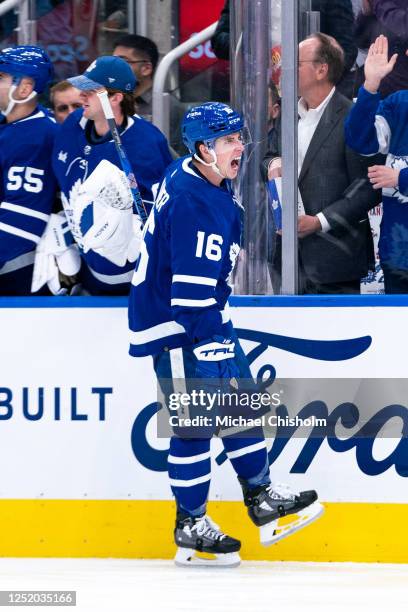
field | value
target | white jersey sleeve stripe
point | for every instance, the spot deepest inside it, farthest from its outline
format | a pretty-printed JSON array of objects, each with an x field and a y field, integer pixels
[
  {"x": 10, "y": 229},
  {"x": 188, "y": 460},
  {"x": 193, "y": 303},
  {"x": 164, "y": 330},
  {"x": 195, "y": 280},
  {"x": 253, "y": 448},
  {"x": 191, "y": 482},
  {"x": 24, "y": 210},
  {"x": 383, "y": 134}
]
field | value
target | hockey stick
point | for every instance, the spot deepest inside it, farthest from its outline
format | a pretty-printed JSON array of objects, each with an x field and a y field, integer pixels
[{"x": 124, "y": 162}]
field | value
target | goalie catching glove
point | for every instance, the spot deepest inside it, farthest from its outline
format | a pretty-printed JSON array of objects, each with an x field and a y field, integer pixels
[
  {"x": 104, "y": 218},
  {"x": 123, "y": 244},
  {"x": 55, "y": 253}
]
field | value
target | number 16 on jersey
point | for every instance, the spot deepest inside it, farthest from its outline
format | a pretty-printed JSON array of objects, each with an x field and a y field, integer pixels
[{"x": 210, "y": 246}]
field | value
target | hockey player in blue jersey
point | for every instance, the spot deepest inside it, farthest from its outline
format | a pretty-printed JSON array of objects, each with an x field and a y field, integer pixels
[
  {"x": 96, "y": 197},
  {"x": 381, "y": 126},
  {"x": 178, "y": 314},
  {"x": 27, "y": 185}
]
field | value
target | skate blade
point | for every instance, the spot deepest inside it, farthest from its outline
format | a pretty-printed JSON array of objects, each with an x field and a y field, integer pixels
[
  {"x": 275, "y": 531},
  {"x": 187, "y": 557}
]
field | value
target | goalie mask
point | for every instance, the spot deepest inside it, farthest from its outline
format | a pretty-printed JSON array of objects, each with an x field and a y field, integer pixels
[
  {"x": 208, "y": 122},
  {"x": 25, "y": 61}
]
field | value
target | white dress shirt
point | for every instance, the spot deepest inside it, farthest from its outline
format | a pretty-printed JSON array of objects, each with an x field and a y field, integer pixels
[{"x": 308, "y": 121}]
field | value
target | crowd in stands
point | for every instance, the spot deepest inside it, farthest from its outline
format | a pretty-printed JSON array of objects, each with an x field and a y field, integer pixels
[
  {"x": 344, "y": 173},
  {"x": 57, "y": 157}
]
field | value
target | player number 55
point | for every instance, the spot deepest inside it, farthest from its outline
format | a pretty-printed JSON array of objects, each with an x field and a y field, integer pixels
[{"x": 26, "y": 178}]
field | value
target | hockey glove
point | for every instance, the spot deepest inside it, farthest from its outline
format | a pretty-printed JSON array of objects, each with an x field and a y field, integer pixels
[
  {"x": 215, "y": 358},
  {"x": 123, "y": 244},
  {"x": 104, "y": 218},
  {"x": 55, "y": 254}
]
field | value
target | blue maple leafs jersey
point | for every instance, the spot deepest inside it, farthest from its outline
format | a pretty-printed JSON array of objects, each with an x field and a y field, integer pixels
[
  {"x": 75, "y": 158},
  {"x": 180, "y": 289},
  {"x": 27, "y": 187},
  {"x": 381, "y": 126}
]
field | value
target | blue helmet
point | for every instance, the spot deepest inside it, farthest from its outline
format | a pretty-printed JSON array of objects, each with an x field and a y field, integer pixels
[
  {"x": 27, "y": 61},
  {"x": 209, "y": 121}
]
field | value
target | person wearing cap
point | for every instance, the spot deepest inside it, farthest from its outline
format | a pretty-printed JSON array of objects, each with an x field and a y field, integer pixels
[
  {"x": 28, "y": 185},
  {"x": 96, "y": 198}
]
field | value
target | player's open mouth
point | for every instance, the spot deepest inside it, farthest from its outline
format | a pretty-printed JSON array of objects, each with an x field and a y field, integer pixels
[{"x": 235, "y": 163}]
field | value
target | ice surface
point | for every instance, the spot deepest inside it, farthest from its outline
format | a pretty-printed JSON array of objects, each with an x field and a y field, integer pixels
[{"x": 120, "y": 585}]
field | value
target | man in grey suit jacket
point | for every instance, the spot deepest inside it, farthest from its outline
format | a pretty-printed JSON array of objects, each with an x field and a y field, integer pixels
[{"x": 335, "y": 242}]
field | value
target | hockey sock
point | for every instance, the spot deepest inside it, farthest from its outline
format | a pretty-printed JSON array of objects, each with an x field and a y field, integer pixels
[
  {"x": 189, "y": 468},
  {"x": 249, "y": 459},
  {"x": 194, "y": 513}
]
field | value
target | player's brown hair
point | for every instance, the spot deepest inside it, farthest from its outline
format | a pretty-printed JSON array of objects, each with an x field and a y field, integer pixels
[{"x": 127, "y": 104}]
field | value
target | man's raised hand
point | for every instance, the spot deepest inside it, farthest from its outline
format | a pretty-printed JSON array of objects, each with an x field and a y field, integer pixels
[{"x": 377, "y": 65}]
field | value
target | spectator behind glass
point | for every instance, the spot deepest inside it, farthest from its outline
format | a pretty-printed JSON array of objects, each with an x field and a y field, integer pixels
[
  {"x": 373, "y": 126},
  {"x": 390, "y": 18},
  {"x": 336, "y": 19},
  {"x": 220, "y": 42},
  {"x": 274, "y": 257},
  {"x": 274, "y": 113},
  {"x": 335, "y": 242},
  {"x": 64, "y": 100},
  {"x": 142, "y": 56}
]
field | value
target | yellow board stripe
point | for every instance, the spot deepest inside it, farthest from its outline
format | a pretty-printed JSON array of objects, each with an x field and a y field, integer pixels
[{"x": 144, "y": 529}]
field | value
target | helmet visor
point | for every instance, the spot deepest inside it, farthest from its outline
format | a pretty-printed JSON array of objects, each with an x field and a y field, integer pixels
[{"x": 228, "y": 141}]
